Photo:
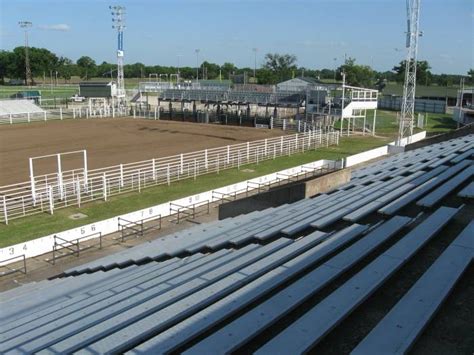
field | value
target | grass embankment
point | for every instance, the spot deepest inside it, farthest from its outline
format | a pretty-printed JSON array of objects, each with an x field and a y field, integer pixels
[{"x": 28, "y": 228}]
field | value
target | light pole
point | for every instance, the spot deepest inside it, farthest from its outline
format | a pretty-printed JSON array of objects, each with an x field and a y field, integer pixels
[
  {"x": 255, "y": 62},
  {"x": 197, "y": 64},
  {"x": 179, "y": 56},
  {"x": 118, "y": 20},
  {"x": 26, "y": 25}
]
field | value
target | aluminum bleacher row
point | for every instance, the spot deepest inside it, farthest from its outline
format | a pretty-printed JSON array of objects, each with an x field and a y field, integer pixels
[
  {"x": 216, "y": 287},
  {"x": 15, "y": 107},
  {"x": 251, "y": 97}
]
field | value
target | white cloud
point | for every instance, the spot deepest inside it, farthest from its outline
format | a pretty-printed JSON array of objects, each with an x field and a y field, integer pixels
[{"x": 59, "y": 27}]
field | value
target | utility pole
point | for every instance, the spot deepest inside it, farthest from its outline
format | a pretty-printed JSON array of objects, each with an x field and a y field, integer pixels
[
  {"x": 28, "y": 77},
  {"x": 408, "y": 102},
  {"x": 197, "y": 64},
  {"x": 118, "y": 19},
  {"x": 255, "y": 50},
  {"x": 179, "y": 56}
]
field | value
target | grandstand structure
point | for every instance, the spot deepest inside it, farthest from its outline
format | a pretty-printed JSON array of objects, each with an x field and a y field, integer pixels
[
  {"x": 318, "y": 103},
  {"x": 277, "y": 281},
  {"x": 12, "y": 110}
]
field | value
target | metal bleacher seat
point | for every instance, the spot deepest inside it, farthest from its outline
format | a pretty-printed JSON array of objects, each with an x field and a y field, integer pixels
[
  {"x": 398, "y": 330},
  {"x": 310, "y": 328},
  {"x": 132, "y": 303},
  {"x": 189, "y": 240},
  {"x": 157, "y": 312},
  {"x": 434, "y": 197},
  {"x": 253, "y": 322},
  {"x": 468, "y": 191},
  {"x": 422, "y": 189}
]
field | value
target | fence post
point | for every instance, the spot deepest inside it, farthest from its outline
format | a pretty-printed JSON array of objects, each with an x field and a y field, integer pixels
[
  {"x": 61, "y": 113},
  {"x": 181, "y": 169},
  {"x": 284, "y": 124},
  {"x": 281, "y": 145},
  {"x": 139, "y": 181},
  {"x": 205, "y": 158},
  {"x": 228, "y": 155},
  {"x": 5, "y": 209},
  {"x": 28, "y": 115},
  {"x": 78, "y": 191},
  {"x": 134, "y": 113},
  {"x": 153, "y": 166},
  {"x": 194, "y": 169},
  {"x": 11, "y": 118},
  {"x": 121, "y": 175},
  {"x": 248, "y": 151},
  {"x": 155, "y": 113},
  {"x": 44, "y": 114},
  {"x": 104, "y": 186},
  {"x": 296, "y": 141},
  {"x": 60, "y": 177},
  {"x": 274, "y": 151},
  {"x": 51, "y": 202},
  {"x": 87, "y": 113},
  {"x": 218, "y": 157},
  {"x": 265, "y": 150},
  {"x": 168, "y": 179}
]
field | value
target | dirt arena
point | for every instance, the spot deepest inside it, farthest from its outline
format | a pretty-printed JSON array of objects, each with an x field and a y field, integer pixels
[{"x": 108, "y": 142}]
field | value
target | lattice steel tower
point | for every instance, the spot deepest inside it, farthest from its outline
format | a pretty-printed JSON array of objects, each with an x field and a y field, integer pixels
[
  {"x": 28, "y": 77},
  {"x": 407, "y": 116},
  {"x": 118, "y": 19}
]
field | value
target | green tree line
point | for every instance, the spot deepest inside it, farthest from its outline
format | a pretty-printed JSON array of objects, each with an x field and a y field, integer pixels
[{"x": 276, "y": 68}]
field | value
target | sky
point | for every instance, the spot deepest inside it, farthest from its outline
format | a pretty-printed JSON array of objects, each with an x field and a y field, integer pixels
[{"x": 318, "y": 32}]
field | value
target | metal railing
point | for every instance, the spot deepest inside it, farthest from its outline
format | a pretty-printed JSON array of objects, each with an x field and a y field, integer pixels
[
  {"x": 73, "y": 246},
  {"x": 138, "y": 228},
  {"x": 188, "y": 211},
  {"x": 7, "y": 262}
]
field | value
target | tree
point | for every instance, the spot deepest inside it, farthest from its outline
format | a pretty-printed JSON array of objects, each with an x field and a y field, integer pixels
[
  {"x": 6, "y": 61},
  {"x": 423, "y": 74},
  {"x": 471, "y": 75},
  {"x": 281, "y": 65},
  {"x": 356, "y": 75},
  {"x": 65, "y": 68},
  {"x": 87, "y": 67}
]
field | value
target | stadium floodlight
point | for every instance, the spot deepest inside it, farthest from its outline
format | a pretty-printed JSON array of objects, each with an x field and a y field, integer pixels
[
  {"x": 118, "y": 20},
  {"x": 28, "y": 77}
]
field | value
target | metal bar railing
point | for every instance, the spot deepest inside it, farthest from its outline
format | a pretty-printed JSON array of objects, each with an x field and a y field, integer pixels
[
  {"x": 73, "y": 246},
  {"x": 13, "y": 270}
]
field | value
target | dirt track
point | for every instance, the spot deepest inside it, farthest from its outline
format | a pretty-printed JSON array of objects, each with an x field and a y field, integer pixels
[{"x": 108, "y": 142}]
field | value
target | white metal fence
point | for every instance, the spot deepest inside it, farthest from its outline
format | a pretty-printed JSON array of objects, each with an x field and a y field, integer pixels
[
  {"x": 47, "y": 193},
  {"x": 74, "y": 112}
]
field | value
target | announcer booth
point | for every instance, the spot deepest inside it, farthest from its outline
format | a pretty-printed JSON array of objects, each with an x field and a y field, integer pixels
[{"x": 99, "y": 95}]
